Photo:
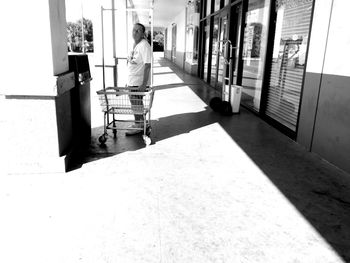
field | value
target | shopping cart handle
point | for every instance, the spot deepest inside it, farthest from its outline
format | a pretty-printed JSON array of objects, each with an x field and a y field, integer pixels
[
  {"x": 126, "y": 88},
  {"x": 125, "y": 91}
]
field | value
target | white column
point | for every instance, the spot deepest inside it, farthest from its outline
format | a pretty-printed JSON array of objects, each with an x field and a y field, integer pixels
[{"x": 33, "y": 46}]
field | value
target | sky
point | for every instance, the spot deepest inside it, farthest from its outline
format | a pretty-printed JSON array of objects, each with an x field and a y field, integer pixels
[
  {"x": 74, "y": 9},
  {"x": 91, "y": 8}
]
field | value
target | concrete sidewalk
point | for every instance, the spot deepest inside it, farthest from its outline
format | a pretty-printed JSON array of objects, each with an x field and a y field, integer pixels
[{"x": 209, "y": 189}]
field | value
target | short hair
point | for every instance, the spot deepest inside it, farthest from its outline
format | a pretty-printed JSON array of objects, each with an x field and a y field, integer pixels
[{"x": 142, "y": 27}]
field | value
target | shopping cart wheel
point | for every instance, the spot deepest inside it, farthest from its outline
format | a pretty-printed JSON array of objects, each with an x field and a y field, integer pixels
[
  {"x": 115, "y": 133},
  {"x": 146, "y": 140},
  {"x": 148, "y": 131},
  {"x": 102, "y": 139}
]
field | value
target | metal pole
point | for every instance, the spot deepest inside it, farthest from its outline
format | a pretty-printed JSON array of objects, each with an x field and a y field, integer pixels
[
  {"x": 115, "y": 69},
  {"x": 230, "y": 72},
  {"x": 82, "y": 28},
  {"x": 103, "y": 50},
  {"x": 224, "y": 54},
  {"x": 151, "y": 21},
  {"x": 113, "y": 28},
  {"x": 127, "y": 27},
  {"x": 103, "y": 70}
]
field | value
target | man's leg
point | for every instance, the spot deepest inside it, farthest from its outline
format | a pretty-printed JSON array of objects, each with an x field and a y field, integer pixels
[{"x": 136, "y": 105}]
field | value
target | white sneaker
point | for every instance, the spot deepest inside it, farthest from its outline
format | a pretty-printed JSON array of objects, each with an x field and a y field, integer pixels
[{"x": 134, "y": 129}]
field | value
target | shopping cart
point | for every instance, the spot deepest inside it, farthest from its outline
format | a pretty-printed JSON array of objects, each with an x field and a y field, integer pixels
[{"x": 117, "y": 101}]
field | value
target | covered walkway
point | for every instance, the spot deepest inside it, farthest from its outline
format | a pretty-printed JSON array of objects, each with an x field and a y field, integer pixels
[{"x": 209, "y": 189}]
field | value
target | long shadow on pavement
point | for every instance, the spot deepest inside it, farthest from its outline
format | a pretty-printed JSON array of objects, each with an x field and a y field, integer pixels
[{"x": 319, "y": 191}]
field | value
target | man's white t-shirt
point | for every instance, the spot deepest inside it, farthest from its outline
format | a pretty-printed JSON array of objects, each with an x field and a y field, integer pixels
[{"x": 136, "y": 65}]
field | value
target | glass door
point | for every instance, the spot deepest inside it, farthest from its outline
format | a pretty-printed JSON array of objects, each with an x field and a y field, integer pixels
[
  {"x": 222, "y": 55},
  {"x": 254, "y": 51},
  {"x": 220, "y": 33},
  {"x": 232, "y": 32}
]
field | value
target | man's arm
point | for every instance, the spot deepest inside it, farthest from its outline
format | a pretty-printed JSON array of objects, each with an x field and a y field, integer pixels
[{"x": 146, "y": 72}]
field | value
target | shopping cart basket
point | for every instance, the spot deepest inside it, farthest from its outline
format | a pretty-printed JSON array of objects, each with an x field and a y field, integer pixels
[{"x": 126, "y": 101}]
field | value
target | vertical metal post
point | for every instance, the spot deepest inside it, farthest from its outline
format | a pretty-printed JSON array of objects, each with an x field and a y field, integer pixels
[
  {"x": 113, "y": 28},
  {"x": 230, "y": 72},
  {"x": 82, "y": 28},
  {"x": 103, "y": 66},
  {"x": 103, "y": 51},
  {"x": 127, "y": 26},
  {"x": 224, "y": 55},
  {"x": 185, "y": 38},
  {"x": 151, "y": 20},
  {"x": 115, "y": 69}
]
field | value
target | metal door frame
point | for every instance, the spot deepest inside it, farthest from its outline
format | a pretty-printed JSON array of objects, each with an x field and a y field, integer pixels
[{"x": 222, "y": 14}]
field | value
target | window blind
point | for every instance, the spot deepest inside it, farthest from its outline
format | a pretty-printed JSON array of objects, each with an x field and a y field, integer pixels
[{"x": 287, "y": 69}]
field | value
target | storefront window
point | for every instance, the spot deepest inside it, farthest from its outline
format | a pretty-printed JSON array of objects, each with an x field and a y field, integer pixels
[
  {"x": 222, "y": 56},
  {"x": 254, "y": 51},
  {"x": 288, "y": 62},
  {"x": 195, "y": 44},
  {"x": 206, "y": 48},
  {"x": 214, "y": 52},
  {"x": 208, "y": 7},
  {"x": 192, "y": 26},
  {"x": 197, "y": 6},
  {"x": 217, "y": 5},
  {"x": 192, "y": 44},
  {"x": 236, "y": 20}
]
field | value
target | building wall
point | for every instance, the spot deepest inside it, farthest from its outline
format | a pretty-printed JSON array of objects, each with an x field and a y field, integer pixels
[
  {"x": 324, "y": 124},
  {"x": 317, "y": 49},
  {"x": 324, "y": 120}
]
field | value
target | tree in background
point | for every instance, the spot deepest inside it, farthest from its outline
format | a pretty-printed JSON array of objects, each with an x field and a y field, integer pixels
[
  {"x": 158, "y": 39},
  {"x": 74, "y": 36}
]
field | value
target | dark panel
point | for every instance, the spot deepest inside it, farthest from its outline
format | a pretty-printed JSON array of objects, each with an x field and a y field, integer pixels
[
  {"x": 332, "y": 127},
  {"x": 85, "y": 114},
  {"x": 308, "y": 109},
  {"x": 64, "y": 123},
  {"x": 80, "y": 99}
]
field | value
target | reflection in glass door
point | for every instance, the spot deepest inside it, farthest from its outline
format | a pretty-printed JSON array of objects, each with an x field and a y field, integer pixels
[
  {"x": 214, "y": 52},
  {"x": 288, "y": 62},
  {"x": 221, "y": 56},
  {"x": 254, "y": 51},
  {"x": 220, "y": 33},
  {"x": 206, "y": 50},
  {"x": 235, "y": 35}
]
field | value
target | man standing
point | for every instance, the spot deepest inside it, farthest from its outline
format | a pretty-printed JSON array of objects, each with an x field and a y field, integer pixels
[{"x": 139, "y": 67}]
